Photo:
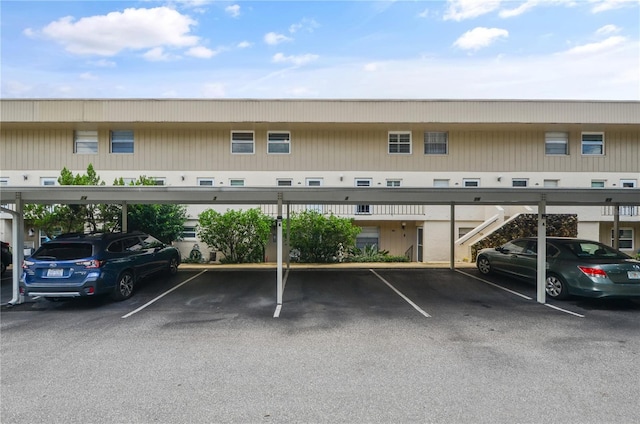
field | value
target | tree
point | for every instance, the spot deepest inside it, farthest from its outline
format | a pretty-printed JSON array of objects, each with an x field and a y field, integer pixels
[
  {"x": 165, "y": 222},
  {"x": 240, "y": 235},
  {"x": 321, "y": 238}
]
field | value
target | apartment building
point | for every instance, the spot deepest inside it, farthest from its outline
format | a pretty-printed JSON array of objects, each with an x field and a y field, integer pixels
[{"x": 343, "y": 143}]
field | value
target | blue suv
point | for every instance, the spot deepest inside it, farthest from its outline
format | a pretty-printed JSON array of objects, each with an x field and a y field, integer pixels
[{"x": 76, "y": 265}]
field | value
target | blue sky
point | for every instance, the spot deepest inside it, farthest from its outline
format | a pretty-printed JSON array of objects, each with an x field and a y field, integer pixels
[{"x": 450, "y": 49}]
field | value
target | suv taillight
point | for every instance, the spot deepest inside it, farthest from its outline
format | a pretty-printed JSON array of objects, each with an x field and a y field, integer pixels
[
  {"x": 26, "y": 264},
  {"x": 93, "y": 263}
]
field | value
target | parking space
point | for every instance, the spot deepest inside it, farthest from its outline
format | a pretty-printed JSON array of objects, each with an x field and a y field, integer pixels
[{"x": 351, "y": 345}]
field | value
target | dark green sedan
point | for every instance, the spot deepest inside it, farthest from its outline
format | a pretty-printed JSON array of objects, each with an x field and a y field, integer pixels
[{"x": 574, "y": 267}]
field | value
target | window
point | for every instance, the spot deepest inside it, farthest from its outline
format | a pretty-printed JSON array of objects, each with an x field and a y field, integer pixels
[
  {"x": 314, "y": 182},
  {"x": 471, "y": 182},
  {"x": 236, "y": 182},
  {"x": 242, "y": 142},
  {"x": 85, "y": 142},
  {"x": 46, "y": 181},
  {"x": 4, "y": 181},
  {"x": 284, "y": 182},
  {"x": 625, "y": 238},
  {"x": 519, "y": 182},
  {"x": 440, "y": 183},
  {"x": 436, "y": 143},
  {"x": 279, "y": 142},
  {"x": 122, "y": 141},
  {"x": 158, "y": 181},
  {"x": 556, "y": 143},
  {"x": 551, "y": 183},
  {"x": 363, "y": 209},
  {"x": 189, "y": 232},
  {"x": 206, "y": 182},
  {"x": 400, "y": 142},
  {"x": 597, "y": 183},
  {"x": 129, "y": 181},
  {"x": 368, "y": 236},
  {"x": 394, "y": 183},
  {"x": 463, "y": 231},
  {"x": 593, "y": 144},
  {"x": 627, "y": 183}
]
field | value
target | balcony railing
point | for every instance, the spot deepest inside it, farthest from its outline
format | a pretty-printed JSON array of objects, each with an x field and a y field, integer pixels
[
  {"x": 624, "y": 210},
  {"x": 352, "y": 210}
]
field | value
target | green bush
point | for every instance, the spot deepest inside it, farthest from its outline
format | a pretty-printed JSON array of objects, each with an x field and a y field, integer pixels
[{"x": 317, "y": 238}]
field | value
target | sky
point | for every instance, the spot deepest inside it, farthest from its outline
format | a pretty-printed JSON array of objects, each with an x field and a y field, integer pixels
[{"x": 444, "y": 49}]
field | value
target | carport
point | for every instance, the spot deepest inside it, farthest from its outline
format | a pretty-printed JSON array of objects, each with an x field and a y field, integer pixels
[{"x": 284, "y": 197}]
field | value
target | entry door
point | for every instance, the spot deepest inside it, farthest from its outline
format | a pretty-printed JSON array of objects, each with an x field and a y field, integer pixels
[{"x": 419, "y": 243}]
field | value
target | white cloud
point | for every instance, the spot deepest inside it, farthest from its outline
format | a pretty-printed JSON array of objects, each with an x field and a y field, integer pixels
[
  {"x": 103, "y": 63},
  {"x": 606, "y": 5},
  {"x": 308, "y": 25},
  {"x": 273, "y": 38},
  {"x": 460, "y": 10},
  {"x": 424, "y": 13},
  {"x": 298, "y": 60},
  {"x": 522, "y": 8},
  {"x": 598, "y": 47},
  {"x": 244, "y": 44},
  {"x": 371, "y": 67},
  {"x": 213, "y": 90},
  {"x": 132, "y": 29},
  {"x": 201, "y": 52},
  {"x": 156, "y": 54},
  {"x": 88, "y": 76},
  {"x": 233, "y": 10},
  {"x": 480, "y": 37},
  {"x": 607, "y": 29}
]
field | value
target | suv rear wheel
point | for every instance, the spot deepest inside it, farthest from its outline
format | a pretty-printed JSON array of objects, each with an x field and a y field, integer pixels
[{"x": 124, "y": 286}]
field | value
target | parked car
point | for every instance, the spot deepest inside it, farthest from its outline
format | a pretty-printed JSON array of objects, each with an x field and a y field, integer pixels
[
  {"x": 6, "y": 257},
  {"x": 75, "y": 265},
  {"x": 574, "y": 267}
]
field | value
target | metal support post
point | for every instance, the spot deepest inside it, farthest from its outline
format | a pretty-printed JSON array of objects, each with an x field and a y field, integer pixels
[
  {"x": 124, "y": 217},
  {"x": 452, "y": 239},
  {"x": 279, "y": 286},
  {"x": 541, "y": 272}
]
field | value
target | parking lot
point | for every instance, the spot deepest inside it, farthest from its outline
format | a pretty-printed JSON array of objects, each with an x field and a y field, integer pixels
[{"x": 350, "y": 345}]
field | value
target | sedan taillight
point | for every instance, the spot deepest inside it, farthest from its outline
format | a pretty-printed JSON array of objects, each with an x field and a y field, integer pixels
[
  {"x": 593, "y": 272},
  {"x": 26, "y": 264}
]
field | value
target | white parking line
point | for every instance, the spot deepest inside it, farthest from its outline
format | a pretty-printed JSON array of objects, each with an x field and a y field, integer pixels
[
  {"x": 416, "y": 307},
  {"x": 520, "y": 294},
  {"x": 496, "y": 285},
  {"x": 163, "y": 295}
]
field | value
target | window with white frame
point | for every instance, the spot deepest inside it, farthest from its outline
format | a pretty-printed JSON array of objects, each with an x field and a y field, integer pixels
[
  {"x": 556, "y": 143},
  {"x": 551, "y": 183},
  {"x": 400, "y": 142},
  {"x": 85, "y": 142},
  {"x": 628, "y": 183},
  {"x": 4, "y": 181},
  {"x": 122, "y": 141},
  {"x": 440, "y": 183},
  {"x": 159, "y": 181},
  {"x": 471, "y": 182},
  {"x": 368, "y": 236},
  {"x": 284, "y": 182},
  {"x": 279, "y": 142},
  {"x": 394, "y": 183},
  {"x": 519, "y": 182},
  {"x": 242, "y": 142},
  {"x": 314, "y": 182},
  {"x": 363, "y": 209},
  {"x": 597, "y": 183},
  {"x": 436, "y": 143},
  {"x": 48, "y": 181},
  {"x": 206, "y": 182},
  {"x": 188, "y": 232},
  {"x": 625, "y": 238},
  {"x": 236, "y": 182},
  {"x": 592, "y": 144}
]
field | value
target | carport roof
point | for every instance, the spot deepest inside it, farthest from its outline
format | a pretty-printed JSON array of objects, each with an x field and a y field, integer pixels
[{"x": 322, "y": 195}]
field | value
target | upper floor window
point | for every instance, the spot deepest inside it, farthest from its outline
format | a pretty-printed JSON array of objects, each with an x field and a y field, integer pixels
[
  {"x": 242, "y": 142},
  {"x": 400, "y": 142},
  {"x": 597, "y": 183},
  {"x": 593, "y": 144},
  {"x": 471, "y": 182},
  {"x": 122, "y": 141},
  {"x": 440, "y": 183},
  {"x": 363, "y": 209},
  {"x": 519, "y": 182},
  {"x": 551, "y": 183},
  {"x": 189, "y": 232},
  {"x": 85, "y": 142},
  {"x": 394, "y": 183},
  {"x": 47, "y": 181},
  {"x": 556, "y": 143},
  {"x": 4, "y": 181},
  {"x": 284, "y": 182},
  {"x": 436, "y": 143},
  {"x": 158, "y": 181},
  {"x": 236, "y": 182},
  {"x": 279, "y": 142},
  {"x": 313, "y": 182},
  {"x": 628, "y": 183},
  {"x": 207, "y": 182}
]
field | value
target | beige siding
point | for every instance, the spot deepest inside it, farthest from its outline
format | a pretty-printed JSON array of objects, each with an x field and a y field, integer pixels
[
  {"x": 309, "y": 111},
  {"x": 319, "y": 149}
]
